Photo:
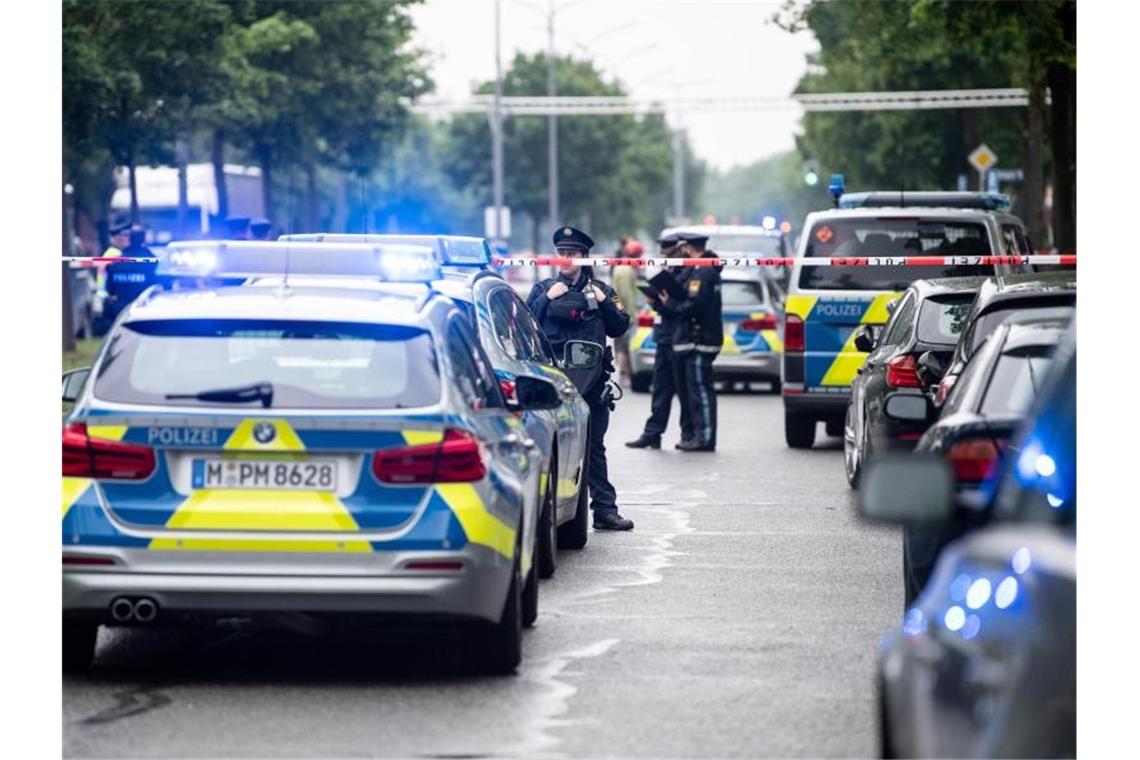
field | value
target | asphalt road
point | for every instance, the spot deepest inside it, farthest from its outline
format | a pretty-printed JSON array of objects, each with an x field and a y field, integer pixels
[{"x": 740, "y": 618}]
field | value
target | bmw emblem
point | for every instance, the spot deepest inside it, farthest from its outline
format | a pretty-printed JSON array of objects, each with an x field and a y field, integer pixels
[{"x": 264, "y": 432}]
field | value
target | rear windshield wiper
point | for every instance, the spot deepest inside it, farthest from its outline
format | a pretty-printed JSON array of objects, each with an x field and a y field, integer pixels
[{"x": 262, "y": 392}]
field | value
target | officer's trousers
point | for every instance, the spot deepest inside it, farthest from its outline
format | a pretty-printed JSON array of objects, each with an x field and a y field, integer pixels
[
  {"x": 702, "y": 396},
  {"x": 603, "y": 495},
  {"x": 668, "y": 381}
]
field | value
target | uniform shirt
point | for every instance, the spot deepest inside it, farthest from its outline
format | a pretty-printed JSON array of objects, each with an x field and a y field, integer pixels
[
  {"x": 666, "y": 326},
  {"x": 698, "y": 319}
]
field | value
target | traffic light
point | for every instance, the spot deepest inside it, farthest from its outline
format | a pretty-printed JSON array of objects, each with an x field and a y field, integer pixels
[{"x": 811, "y": 173}]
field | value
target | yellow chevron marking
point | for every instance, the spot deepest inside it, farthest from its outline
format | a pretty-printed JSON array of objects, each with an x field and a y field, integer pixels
[
  {"x": 877, "y": 313},
  {"x": 73, "y": 488},
  {"x": 847, "y": 362},
  {"x": 639, "y": 337},
  {"x": 729, "y": 347},
  {"x": 421, "y": 437},
  {"x": 480, "y": 525},
  {"x": 285, "y": 440},
  {"x": 774, "y": 343},
  {"x": 242, "y": 509},
  {"x": 258, "y": 545},
  {"x": 800, "y": 305},
  {"x": 108, "y": 432}
]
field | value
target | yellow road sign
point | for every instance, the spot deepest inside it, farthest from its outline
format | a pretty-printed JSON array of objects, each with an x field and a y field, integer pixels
[{"x": 982, "y": 159}]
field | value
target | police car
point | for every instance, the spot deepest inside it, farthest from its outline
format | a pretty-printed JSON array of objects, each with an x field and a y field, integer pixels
[
  {"x": 515, "y": 346},
  {"x": 287, "y": 427},
  {"x": 827, "y": 304}
]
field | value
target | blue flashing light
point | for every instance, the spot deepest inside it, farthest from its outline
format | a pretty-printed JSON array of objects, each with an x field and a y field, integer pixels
[
  {"x": 1006, "y": 592},
  {"x": 1044, "y": 465},
  {"x": 1056, "y": 502},
  {"x": 836, "y": 187},
  {"x": 1021, "y": 560},
  {"x": 768, "y": 223},
  {"x": 978, "y": 594},
  {"x": 959, "y": 586},
  {"x": 971, "y": 627},
  {"x": 955, "y": 618},
  {"x": 914, "y": 624}
]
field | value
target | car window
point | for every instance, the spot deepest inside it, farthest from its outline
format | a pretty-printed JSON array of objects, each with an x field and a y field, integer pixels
[
  {"x": 1013, "y": 240},
  {"x": 940, "y": 321},
  {"x": 964, "y": 393},
  {"x": 751, "y": 245},
  {"x": 735, "y": 293},
  {"x": 900, "y": 322},
  {"x": 308, "y": 364},
  {"x": 471, "y": 370},
  {"x": 886, "y": 236},
  {"x": 514, "y": 327},
  {"x": 537, "y": 349},
  {"x": 985, "y": 324},
  {"x": 1015, "y": 381}
]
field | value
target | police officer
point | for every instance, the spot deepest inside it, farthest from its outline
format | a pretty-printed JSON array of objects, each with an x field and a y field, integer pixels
[
  {"x": 698, "y": 337},
  {"x": 574, "y": 306},
  {"x": 238, "y": 227},
  {"x": 668, "y": 377},
  {"x": 259, "y": 228}
]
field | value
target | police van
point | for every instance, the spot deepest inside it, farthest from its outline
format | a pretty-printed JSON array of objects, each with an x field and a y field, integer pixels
[{"x": 827, "y": 304}]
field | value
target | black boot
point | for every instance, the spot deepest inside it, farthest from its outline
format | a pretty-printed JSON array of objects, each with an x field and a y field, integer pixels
[
  {"x": 645, "y": 442},
  {"x": 695, "y": 445},
  {"x": 609, "y": 519},
  {"x": 681, "y": 444}
]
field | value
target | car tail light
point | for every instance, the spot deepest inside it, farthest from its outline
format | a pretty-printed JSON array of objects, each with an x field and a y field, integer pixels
[
  {"x": 974, "y": 460},
  {"x": 87, "y": 457},
  {"x": 645, "y": 319},
  {"x": 943, "y": 389},
  {"x": 767, "y": 322},
  {"x": 902, "y": 372},
  {"x": 793, "y": 333},
  {"x": 87, "y": 560},
  {"x": 458, "y": 458},
  {"x": 508, "y": 388}
]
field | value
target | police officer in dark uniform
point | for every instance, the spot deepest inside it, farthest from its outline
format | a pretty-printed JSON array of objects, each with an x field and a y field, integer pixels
[
  {"x": 259, "y": 228},
  {"x": 668, "y": 377},
  {"x": 574, "y": 306},
  {"x": 698, "y": 339}
]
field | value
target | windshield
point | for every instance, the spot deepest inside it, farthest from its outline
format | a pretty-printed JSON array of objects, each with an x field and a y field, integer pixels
[
  {"x": 745, "y": 244},
  {"x": 989, "y": 321},
  {"x": 941, "y": 321},
  {"x": 891, "y": 236},
  {"x": 309, "y": 364},
  {"x": 734, "y": 293}
]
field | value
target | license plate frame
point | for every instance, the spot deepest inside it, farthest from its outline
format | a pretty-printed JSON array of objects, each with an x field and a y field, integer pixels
[{"x": 212, "y": 473}]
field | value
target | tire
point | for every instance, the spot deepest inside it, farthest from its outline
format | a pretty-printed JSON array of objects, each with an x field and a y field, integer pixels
[
  {"x": 530, "y": 596},
  {"x": 574, "y": 534},
  {"x": 547, "y": 554},
  {"x": 852, "y": 466},
  {"x": 799, "y": 430},
  {"x": 499, "y": 645},
  {"x": 776, "y": 386},
  {"x": 78, "y": 644},
  {"x": 886, "y": 746},
  {"x": 833, "y": 427},
  {"x": 641, "y": 381}
]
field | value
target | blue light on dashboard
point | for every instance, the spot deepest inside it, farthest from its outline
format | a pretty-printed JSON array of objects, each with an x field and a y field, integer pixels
[
  {"x": 1021, "y": 560},
  {"x": 1006, "y": 592},
  {"x": 959, "y": 586},
  {"x": 971, "y": 627},
  {"x": 955, "y": 618},
  {"x": 978, "y": 594},
  {"x": 914, "y": 624},
  {"x": 1056, "y": 502},
  {"x": 1045, "y": 466}
]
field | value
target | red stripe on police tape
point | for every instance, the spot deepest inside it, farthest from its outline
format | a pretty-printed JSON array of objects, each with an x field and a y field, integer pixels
[{"x": 1065, "y": 259}]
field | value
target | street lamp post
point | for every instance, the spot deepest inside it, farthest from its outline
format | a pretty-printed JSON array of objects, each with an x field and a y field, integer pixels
[
  {"x": 552, "y": 120},
  {"x": 497, "y": 133}
]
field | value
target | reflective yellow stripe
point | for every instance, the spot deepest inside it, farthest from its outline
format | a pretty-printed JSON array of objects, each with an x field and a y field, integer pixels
[
  {"x": 729, "y": 347},
  {"x": 73, "y": 488},
  {"x": 108, "y": 432},
  {"x": 257, "y": 545},
  {"x": 567, "y": 487},
  {"x": 285, "y": 439},
  {"x": 234, "y": 509},
  {"x": 774, "y": 343},
  {"x": 480, "y": 525},
  {"x": 421, "y": 437},
  {"x": 877, "y": 314},
  {"x": 846, "y": 364},
  {"x": 800, "y": 305},
  {"x": 639, "y": 337}
]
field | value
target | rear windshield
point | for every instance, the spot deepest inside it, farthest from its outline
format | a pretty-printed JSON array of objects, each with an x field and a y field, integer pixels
[
  {"x": 325, "y": 365},
  {"x": 749, "y": 244},
  {"x": 1015, "y": 382},
  {"x": 891, "y": 237},
  {"x": 741, "y": 293},
  {"x": 985, "y": 325},
  {"x": 942, "y": 321}
]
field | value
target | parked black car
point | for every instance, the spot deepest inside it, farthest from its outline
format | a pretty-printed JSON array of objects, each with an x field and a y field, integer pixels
[
  {"x": 997, "y": 298},
  {"x": 889, "y": 406},
  {"x": 984, "y": 663},
  {"x": 974, "y": 433}
]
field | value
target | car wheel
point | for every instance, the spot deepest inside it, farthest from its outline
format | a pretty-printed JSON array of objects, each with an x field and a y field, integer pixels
[
  {"x": 911, "y": 589},
  {"x": 574, "y": 534},
  {"x": 78, "y": 644},
  {"x": 548, "y": 526},
  {"x": 641, "y": 381},
  {"x": 886, "y": 746},
  {"x": 799, "y": 430},
  {"x": 776, "y": 385},
  {"x": 499, "y": 646},
  {"x": 851, "y": 453},
  {"x": 530, "y": 596}
]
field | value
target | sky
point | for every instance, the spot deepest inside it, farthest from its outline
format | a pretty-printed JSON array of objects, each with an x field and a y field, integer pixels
[{"x": 656, "y": 48}]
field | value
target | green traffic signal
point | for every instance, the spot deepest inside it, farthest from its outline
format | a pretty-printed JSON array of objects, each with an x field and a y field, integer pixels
[{"x": 811, "y": 178}]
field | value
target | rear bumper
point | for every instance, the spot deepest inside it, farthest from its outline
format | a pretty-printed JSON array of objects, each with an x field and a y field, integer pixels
[
  {"x": 823, "y": 405},
  {"x": 476, "y": 591}
]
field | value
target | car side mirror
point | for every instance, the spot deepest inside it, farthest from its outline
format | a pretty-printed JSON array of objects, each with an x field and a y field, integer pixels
[
  {"x": 73, "y": 381},
  {"x": 582, "y": 354},
  {"x": 907, "y": 408},
  {"x": 534, "y": 393},
  {"x": 865, "y": 339},
  {"x": 930, "y": 368},
  {"x": 907, "y": 489}
]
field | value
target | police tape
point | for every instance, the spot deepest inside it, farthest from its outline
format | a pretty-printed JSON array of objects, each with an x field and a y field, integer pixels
[
  {"x": 789, "y": 261},
  {"x": 88, "y": 262}
]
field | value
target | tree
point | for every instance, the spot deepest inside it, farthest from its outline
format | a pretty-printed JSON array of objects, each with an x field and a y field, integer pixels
[{"x": 772, "y": 185}]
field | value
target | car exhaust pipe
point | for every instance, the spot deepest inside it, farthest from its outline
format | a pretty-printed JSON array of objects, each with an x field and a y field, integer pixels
[
  {"x": 122, "y": 610},
  {"x": 145, "y": 610}
]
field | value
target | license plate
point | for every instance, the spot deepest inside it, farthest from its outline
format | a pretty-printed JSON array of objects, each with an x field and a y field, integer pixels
[{"x": 310, "y": 475}]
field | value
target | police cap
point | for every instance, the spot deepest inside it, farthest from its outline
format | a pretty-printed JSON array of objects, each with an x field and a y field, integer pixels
[
  {"x": 120, "y": 229},
  {"x": 668, "y": 241},
  {"x": 695, "y": 239},
  {"x": 571, "y": 239}
]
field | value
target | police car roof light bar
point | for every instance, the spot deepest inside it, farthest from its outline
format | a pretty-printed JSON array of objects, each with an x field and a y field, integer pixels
[
  {"x": 451, "y": 250},
  {"x": 924, "y": 199},
  {"x": 237, "y": 259}
]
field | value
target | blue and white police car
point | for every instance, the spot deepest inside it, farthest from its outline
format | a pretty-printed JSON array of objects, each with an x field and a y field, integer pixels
[{"x": 281, "y": 429}]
